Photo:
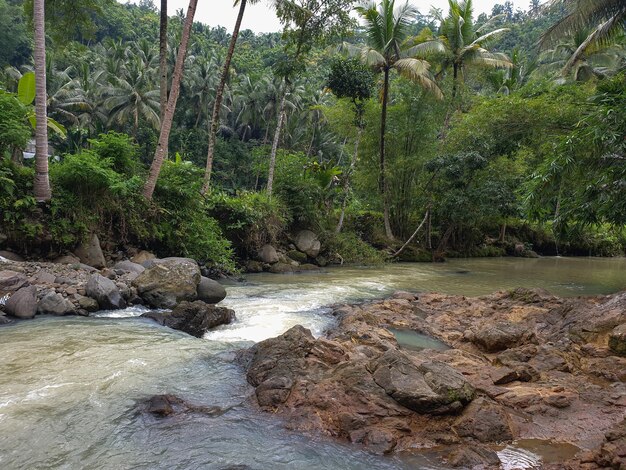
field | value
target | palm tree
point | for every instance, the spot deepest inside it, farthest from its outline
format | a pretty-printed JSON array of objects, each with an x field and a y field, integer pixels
[
  {"x": 218, "y": 96},
  {"x": 41, "y": 186},
  {"x": 387, "y": 49},
  {"x": 607, "y": 18},
  {"x": 463, "y": 45},
  {"x": 163, "y": 58},
  {"x": 133, "y": 95},
  {"x": 168, "y": 116}
]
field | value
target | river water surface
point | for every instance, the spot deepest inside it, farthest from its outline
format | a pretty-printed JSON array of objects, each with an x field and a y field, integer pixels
[{"x": 69, "y": 386}]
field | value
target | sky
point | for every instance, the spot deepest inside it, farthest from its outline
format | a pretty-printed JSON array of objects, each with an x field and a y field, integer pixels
[{"x": 261, "y": 18}]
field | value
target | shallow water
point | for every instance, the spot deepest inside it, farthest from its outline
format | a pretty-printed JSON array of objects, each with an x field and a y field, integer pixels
[
  {"x": 409, "y": 339},
  {"x": 69, "y": 386}
]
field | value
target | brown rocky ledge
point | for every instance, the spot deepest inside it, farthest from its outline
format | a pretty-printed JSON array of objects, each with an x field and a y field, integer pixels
[{"x": 521, "y": 365}]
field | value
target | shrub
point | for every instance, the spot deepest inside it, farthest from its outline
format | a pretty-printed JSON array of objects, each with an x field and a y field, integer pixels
[
  {"x": 119, "y": 149},
  {"x": 350, "y": 248}
]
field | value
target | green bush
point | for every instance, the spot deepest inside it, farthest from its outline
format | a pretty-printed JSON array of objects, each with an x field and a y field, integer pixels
[
  {"x": 183, "y": 224},
  {"x": 349, "y": 248},
  {"x": 14, "y": 128},
  {"x": 119, "y": 149},
  {"x": 250, "y": 219}
]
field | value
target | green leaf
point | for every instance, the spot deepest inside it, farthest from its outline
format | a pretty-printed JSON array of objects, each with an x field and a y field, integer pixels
[
  {"x": 57, "y": 128},
  {"x": 26, "y": 88}
]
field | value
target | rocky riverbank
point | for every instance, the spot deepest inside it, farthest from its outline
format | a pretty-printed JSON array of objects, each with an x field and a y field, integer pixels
[
  {"x": 520, "y": 365},
  {"x": 184, "y": 298}
]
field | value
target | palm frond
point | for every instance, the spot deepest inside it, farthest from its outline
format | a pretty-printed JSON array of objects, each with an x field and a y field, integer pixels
[{"x": 418, "y": 71}]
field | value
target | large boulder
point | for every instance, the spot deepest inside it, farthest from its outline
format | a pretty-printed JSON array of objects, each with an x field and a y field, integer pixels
[
  {"x": 11, "y": 281},
  {"x": 431, "y": 387},
  {"x": 210, "y": 291},
  {"x": 617, "y": 340},
  {"x": 169, "y": 282},
  {"x": 55, "y": 304},
  {"x": 307, "y": 242},
  {"x": 67, "y": 259},
  {"x": 105, "y": 292},
  {"x": 23, "y": 304},
  {"x": 90, "y": 253},
  {"x": 194, "y": 318},
  {"x": 268, "y": 254}
]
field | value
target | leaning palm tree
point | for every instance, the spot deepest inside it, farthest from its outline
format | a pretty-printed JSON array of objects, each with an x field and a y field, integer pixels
[
  {"x": 163, "y": 59},
  {"x": 41, "y": 186},
  {"x": 607, "y": 18},
  {"x": 168, "y": 116},
  {"x": 389, "y": 48},
  {"x": 464, "y": 45},
  {"x": 217, "y": 105}
]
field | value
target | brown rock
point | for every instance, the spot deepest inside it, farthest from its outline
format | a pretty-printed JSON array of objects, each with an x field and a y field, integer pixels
[
  {"x": 485, "y": 421},
  {"x": 23, "y": 303}
]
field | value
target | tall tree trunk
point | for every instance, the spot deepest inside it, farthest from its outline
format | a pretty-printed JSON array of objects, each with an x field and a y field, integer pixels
[
  {"x": 346, "y": 185},
  {"x": 502, "y": 232},
  {"x": 215, "y": 117},
  {"x": 412, "y": 237},
  {"x": 41, "y": 186},
  {"x": 168, "y": 117},
  {"x": 279, "y": 127},
  {"x": 455, "y": 77},
  {"x": 383, "y": 179},
  {"x": 163, "y": 57}
]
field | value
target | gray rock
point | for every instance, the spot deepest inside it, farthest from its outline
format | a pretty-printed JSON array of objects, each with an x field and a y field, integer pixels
[
  {"x": 44, "y": 277},
  {"x": 10, "y": 256},
  {"x": 142, "y": 257},
  {"x": 90, "y": 253},
  {"x": 11, "y": 281},
  {"x": 210, "y": 291},
  {"x": 55, "y": 304},
  {"x": 169, "y": 282},
  {"x": 307, "y": 242},
  {"x": 4, "y": 320},
  {"x": 267, "y": 254},
  {"x": 105, "y": 292},
  {"x": 23, "y": 304},
  {"x": 281, "y": 268},
  {"x": 129, "y": 267},
  {"x": 430, "y": 387},
  {"x": 86, "y": 303},
  {"x": 194, "y": 318}
]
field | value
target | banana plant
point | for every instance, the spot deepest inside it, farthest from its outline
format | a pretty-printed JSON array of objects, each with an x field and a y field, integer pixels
[{"x": 26, "y": 95}]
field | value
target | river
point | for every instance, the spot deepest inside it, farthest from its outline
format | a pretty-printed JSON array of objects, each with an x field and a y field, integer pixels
[{"x": 69, "y": 386}]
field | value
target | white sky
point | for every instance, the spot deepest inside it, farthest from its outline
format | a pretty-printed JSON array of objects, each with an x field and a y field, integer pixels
[{"x": 261, "y": 18}]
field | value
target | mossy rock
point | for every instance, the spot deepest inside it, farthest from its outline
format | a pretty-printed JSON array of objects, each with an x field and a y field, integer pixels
[{"x": 297, "y": 256}]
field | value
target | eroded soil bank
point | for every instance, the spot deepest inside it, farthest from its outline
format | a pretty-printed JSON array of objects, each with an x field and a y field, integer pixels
[{"x": 522, "y": 364}]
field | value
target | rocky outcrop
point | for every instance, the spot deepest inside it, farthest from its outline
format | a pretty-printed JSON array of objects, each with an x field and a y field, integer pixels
[
  {"x": 210, "y": 291},
  {"x": 142, "y": 257},
  {"x": 23, "y": 303},
  {"x": 129, "y": 267},
  {"x": 163, "y": 406},
  {"x": 105, "y": 292},
  {"x": 90, "y": 253},
  {"x": 308, "y": 243},
  {"x": 194, "y": 318},
  {"x": 55, "y": 304},
  {"x": 168, "y": 282},
  {"x": 267, "y": 254},
  {"x": 10, "y": 256},
  {"x": 11, "y": 281},
  {"x": 523, "y": 364}
]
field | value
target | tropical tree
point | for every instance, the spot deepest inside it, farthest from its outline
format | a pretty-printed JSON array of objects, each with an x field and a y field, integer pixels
[
  {"x": 42, "y": 191},
  {"x": 464, "y": 45},
  {"x": 215, "y": 115},
  {"x": 168, "y": 117},
  {"x": 389, "y": 48},
  {"x": 607, "y": 18}
]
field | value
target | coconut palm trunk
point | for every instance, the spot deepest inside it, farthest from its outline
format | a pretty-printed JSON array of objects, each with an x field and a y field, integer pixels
[
  {"x": 163, "y": 57},
  {"x": 382, "y": 178},
  {"x": 168, "y": 116},
  {"x": 279, "y": 126},
  {"x": 215, "y": 117},
  {"x": 41, "y": 186}
]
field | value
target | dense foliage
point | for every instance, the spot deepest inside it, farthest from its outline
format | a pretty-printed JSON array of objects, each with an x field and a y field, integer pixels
[{"x": 526, "y": 147}]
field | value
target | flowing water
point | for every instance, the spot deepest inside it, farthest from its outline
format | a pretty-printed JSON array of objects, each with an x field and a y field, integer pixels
[{"x": 69, "y": 387}]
